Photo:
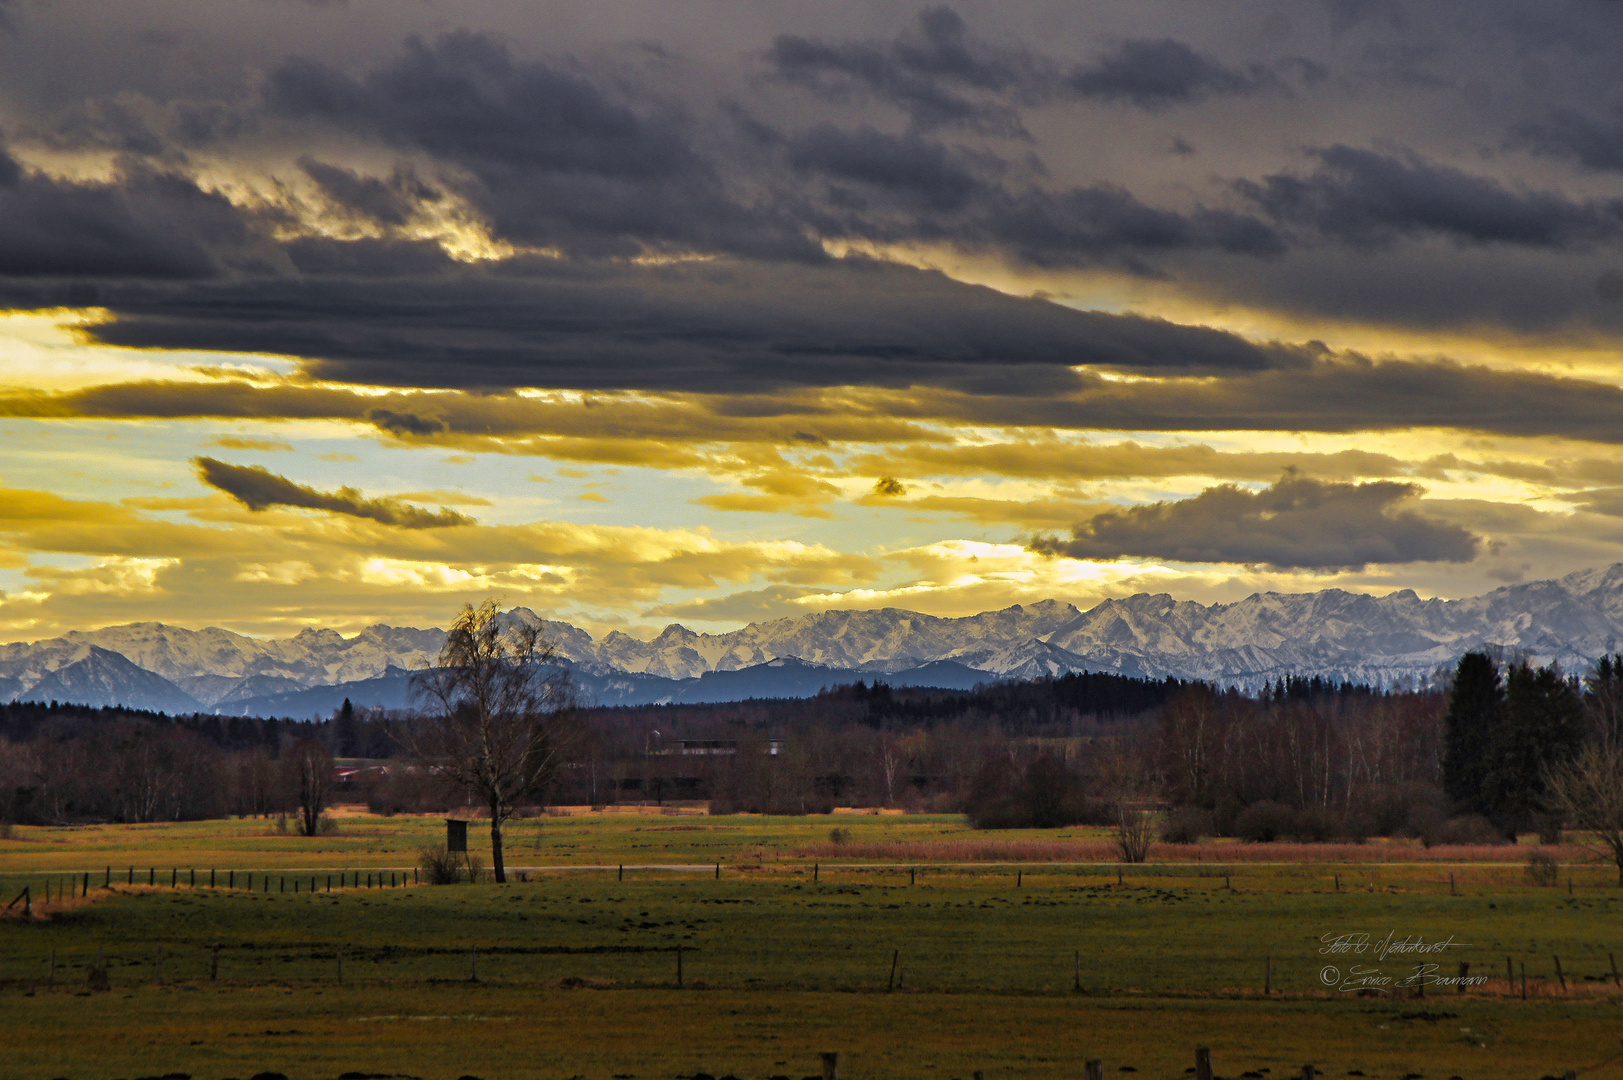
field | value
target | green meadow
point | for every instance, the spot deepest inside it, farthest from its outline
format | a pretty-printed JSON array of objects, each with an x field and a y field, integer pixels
[{"x": 931, "y": 970}]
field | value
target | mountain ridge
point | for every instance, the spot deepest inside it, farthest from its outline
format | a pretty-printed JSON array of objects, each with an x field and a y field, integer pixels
[{"x": 1333, "y": 633}]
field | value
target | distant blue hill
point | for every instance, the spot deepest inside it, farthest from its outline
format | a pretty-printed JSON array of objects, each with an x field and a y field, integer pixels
[{"x": 786, "y": 678}]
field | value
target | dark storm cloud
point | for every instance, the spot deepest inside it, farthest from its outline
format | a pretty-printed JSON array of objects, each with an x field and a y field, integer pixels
[
  {"x": 553, "y": 160},
  {"x": 1335, "y": 394},
  {"x": 908, "y": 167},
  {"x": 713, "y": 327},
  {"x": 1594, "y": 139},
  {"x": 258, "y": 488},
  {"x": 389, "y": 202},
  {"x": 1368, "y": 199},
  {"x": 1297, "y": 523},
  {"x": 942, "y": 76},
  {"x": 910, "y": 187},
  {"x": 368, "y": 257},
  {"x": 143, "y": 225},
  {"x": 1154, "y": 74},
  {"x": 934, "y": 71}
]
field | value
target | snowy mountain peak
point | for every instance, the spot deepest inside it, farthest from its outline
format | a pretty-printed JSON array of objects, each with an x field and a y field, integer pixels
[{"x": 1334, "y": 633}]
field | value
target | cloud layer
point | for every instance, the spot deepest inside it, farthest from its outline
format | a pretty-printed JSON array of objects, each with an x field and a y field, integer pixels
[
  {"x": 258, "y": 488},
  {"x": 736, "y": 313},
  {"x": 1296, "y": 523}
]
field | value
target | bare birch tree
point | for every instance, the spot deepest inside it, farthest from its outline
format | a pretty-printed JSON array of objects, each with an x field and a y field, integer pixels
[
  {"x": 495, "y": 702},
  {"x": 1587, "y": 792}
]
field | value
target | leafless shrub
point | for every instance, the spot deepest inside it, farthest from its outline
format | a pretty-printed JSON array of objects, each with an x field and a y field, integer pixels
[
  {"x": 1542, "y": 869},
  {"x": 840, "y": 837},
  {"x": 1134, "y": 833},
  {"x": 439, "y": 866}
]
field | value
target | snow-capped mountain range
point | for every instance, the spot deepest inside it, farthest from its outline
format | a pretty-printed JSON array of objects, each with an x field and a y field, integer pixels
[{"x": 1332, "y": 633}]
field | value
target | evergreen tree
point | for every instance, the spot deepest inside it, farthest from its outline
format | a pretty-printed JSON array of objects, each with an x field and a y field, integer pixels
[
  {"x": 344, "y": 730},
  {"x": 1475, "y": 711},
  {"x": 1604, "y": 699},
  {"x": 1543, "y": 727}
]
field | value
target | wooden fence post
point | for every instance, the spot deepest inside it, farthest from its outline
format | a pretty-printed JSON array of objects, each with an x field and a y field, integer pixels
[
  {"x": 1615, "y": 980},
  {"x": 214, "y": 965},
  {"x": 1524, "y": 980},
  {"x": 1465, "y": 969},
  {"x": 1203, "y": 1063},
  {"x": 1267, "y": 975},
  {"x": 718, "y": 871},
  {"x": 1451, "y": 890},
  {"x": 679, "y": 967},
  {"x": 1094, "y": 1069},
  {"x": 895, "y": 956},
  {"x": 1307, "y": 1072},
  {"x": 53, "y": 967},
  {"x": 912, "y": 875},
  {"x": 1510, "y": 977},
  {"x": 622, "y": 876},
  {"x": 1559, "y": 975},
  {"x": 831, "y": 1066},
  {"x": 815, "y": 868},
  {"x": 1076, "y": 971}
]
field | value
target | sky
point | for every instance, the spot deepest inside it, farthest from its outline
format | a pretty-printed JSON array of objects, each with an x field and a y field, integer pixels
[{"x": 338, "y": 313}]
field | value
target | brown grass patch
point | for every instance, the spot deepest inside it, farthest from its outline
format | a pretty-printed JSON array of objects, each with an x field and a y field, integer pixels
[{"x": 1054, "y": 851}]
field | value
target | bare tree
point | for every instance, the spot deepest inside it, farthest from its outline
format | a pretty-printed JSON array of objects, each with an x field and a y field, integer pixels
[
  {"x": 1134, "y": 832},
  {"x": 496, "y": 699},
  {"x": 308, "y": 767},
  {"x": 1586, "y": 791}
]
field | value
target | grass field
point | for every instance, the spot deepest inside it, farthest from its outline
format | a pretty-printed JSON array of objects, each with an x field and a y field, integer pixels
[{"x": 577, "y": 972}]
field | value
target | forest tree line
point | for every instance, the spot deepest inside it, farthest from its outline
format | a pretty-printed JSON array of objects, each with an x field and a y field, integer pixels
[{"x": 1465, "y": 761}]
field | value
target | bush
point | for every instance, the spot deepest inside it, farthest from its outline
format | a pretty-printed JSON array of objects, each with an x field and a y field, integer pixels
[
  {"x": 326, "y": 826},
  {"x": 1470, "y": 829},
  {"x": 1314, "y": 825},
  {"x": 1186, "y": 825},
  {"x": 442, "y": 867},
  {"x": 1264, "y": 822},
  {"x": 1405, "y": 810},
  {"x": 1542, "y": 868},
  {"x": 839, "y": 836},
  {"x": 1047, "y": 794}
]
